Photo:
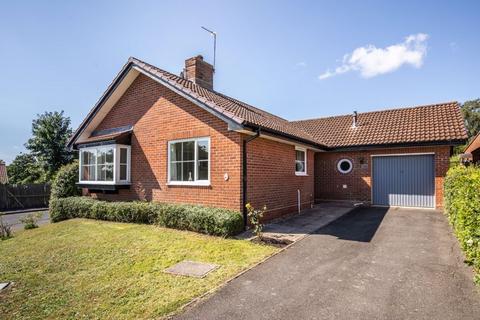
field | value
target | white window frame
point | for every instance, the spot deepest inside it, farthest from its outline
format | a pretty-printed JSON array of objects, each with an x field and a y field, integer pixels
[
  {"x": 304, "y": 150},
  {"x": 195, "y": 182},
  {"x": 116, "y": 164},
  {"x": 344, "y": 171}
]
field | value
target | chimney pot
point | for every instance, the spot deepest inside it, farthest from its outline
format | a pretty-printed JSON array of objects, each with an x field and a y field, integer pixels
[{"x": 199, "y": 72}]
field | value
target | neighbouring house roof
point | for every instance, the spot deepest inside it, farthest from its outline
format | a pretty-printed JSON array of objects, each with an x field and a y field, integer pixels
[
  {"x": 439, "y": 123},
  {"x": 474, "y": 144},
  {"x": 442, "y": 122},
  {"x": 3, "y": 173}
]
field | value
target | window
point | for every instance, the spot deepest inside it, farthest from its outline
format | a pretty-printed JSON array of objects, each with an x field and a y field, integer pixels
[
  {"x": 344, "y": 166},
  {"x": 300, "y": 161},
  {"x": 189, "y": 161},
  {"x": 104, "y": 163},
  {"x": 123, "y": 164}
]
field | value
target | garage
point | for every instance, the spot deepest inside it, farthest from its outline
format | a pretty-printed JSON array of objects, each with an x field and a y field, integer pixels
[{"x": 406, "y": 180}]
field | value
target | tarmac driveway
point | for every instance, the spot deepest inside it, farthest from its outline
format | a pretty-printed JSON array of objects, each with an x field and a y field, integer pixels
[{"x": 372, "y": 263}]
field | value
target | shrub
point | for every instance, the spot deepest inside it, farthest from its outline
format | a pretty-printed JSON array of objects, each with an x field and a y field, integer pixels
[
  {"x": 214, "y": 221},
  {"x": 255, "y": 217},
  {"x": 65, "y": 181},
  {"x": 462, "y": 205},
  {"x": 30, "y": 220},
  {"x": 5, "y": 230}
]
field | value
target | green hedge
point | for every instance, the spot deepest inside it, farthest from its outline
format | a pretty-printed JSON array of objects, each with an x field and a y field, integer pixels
[
  {"x": 462, "y": 205},
  {"x": 214, "y": 221}
]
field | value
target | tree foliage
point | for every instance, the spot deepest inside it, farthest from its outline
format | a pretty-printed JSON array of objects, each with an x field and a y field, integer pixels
[
  {"x": 50, "y": 133},
  {"x": 471, "y": 113},
  {"x": 25, "y": 169}
]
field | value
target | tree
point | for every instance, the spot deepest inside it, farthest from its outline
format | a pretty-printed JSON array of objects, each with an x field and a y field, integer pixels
[
  {"x": 25, "y": 169},
  {"x": 471, "y": 113},
  {"x": 50, "y": 133}
]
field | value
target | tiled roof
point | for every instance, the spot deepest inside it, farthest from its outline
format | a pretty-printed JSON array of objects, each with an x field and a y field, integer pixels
[
  {"x": 422, "y": 124},
  {"x": 113, "y": 136},
  {"x": 432, "y": 123},
  {"x": 236, "y": 110}
]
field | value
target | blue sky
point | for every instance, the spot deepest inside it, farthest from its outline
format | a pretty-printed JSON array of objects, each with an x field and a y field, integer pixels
[{"x": 297, "y": 59}]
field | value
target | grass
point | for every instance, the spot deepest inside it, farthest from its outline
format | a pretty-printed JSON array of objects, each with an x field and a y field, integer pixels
[{"x": 103, "y": 270}]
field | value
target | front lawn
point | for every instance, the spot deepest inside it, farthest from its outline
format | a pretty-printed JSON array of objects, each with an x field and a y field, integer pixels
[{"x": 93, "y": 269}]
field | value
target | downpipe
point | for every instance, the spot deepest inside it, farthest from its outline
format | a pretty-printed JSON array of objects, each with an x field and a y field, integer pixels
[{"x": 244, "y": 178}]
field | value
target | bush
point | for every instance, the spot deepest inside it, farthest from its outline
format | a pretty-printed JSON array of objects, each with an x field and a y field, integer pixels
[
  {"x": 30, "y": 220},
  {"x": 5, "y": 230},
  {"x": 462, "y": 205},
  {"x": 65, "y": 181},
  {"x": 214, "y": 221}
]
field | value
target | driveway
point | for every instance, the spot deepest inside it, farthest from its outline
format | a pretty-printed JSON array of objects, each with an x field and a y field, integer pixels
[
  {"x": 13, "y": 219},
  {"x": 372, "y": 263}
]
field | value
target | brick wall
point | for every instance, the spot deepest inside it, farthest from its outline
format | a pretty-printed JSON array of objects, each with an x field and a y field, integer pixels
[
  {"x": 272, "y": 180},
  {"x": 160, "y": 115},
  {"x": 329, "y": 182}
]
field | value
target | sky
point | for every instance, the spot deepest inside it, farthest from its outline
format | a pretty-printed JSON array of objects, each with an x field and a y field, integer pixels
[{"x": 296, "y": 59}]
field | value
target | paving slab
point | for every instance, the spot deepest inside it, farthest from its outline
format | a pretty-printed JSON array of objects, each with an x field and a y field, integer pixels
[
  {"x": 294, "y": 228},
  {"x": 3, "y": 285},
  {"x": 191, "y": 269}
]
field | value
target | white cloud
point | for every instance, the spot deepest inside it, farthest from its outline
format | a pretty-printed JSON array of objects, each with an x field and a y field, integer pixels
[
  {"x": 301, "y": 64},
  {"x": 371, "y": 61}
]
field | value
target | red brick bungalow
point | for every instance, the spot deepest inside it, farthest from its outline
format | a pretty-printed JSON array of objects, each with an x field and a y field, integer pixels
[{"x": 157, "y": 136}]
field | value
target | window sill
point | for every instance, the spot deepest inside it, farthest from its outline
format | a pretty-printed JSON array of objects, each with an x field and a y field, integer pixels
[
  {"x": 301, "y": 174},
  {"x": 189, "y": 184},
  {"x": 103, "y": 186}
]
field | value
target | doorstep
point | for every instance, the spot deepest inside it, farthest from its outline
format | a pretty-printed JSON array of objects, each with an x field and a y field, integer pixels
[{"x": 291, "y": 229}]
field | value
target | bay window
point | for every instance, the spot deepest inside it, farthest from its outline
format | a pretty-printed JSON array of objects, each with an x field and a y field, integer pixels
[
  {"x": 189, "y": 161},
  {"x": 109, "y": 164}
]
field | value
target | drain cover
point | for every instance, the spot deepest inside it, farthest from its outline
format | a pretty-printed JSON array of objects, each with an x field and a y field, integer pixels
[
  {"x": 3, "y": 285},
  {"x": 191, "y": 269}
]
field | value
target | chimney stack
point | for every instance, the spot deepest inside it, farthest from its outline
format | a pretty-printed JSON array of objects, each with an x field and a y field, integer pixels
[
  {"x": 199, "y": 72},
  {"x": 355, "y": 119}
]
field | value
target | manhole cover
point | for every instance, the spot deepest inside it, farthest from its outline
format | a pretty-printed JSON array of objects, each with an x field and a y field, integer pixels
[
  {"x": 191, "y": 269},
  {"x": 3, "y": 285}
]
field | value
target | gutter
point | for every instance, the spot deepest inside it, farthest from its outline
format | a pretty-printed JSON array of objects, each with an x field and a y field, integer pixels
[{"x": 244, "y": 175}]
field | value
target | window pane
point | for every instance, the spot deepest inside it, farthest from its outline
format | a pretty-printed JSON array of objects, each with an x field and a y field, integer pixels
[
  {"x": 188, "y": 151},
  {"x": 188, "y": 173},
  {"x": 109, "y": 156},
  {"x": 123, "y": 172},
  {"x": 109, "y": 173},
  {"x": 203, "y": 170},
  {"x": 300, "y": 155},
  {"x": 123, "y": 155},
  {"x": 101, "y": 156},
  {"x": 88, "y": 173},
  {"x": 176, "y": 151},
  {"x": 176, "y": 171},
  {"x": 101, "y": 172},
  {"x": 299, "y": 166},
  {"x": 202, "y": 150},
  {"x": 87, "y": 157}
]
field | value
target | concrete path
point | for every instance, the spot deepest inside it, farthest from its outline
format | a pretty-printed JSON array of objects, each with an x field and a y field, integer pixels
[
  {"x": 294, "y": 228},
  {"x": 369, "y": 264},
  {"x": 13, "y": 219}
]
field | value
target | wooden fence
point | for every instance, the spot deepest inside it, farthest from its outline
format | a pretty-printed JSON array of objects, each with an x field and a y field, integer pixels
[{"x": 27, "y": 196}]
